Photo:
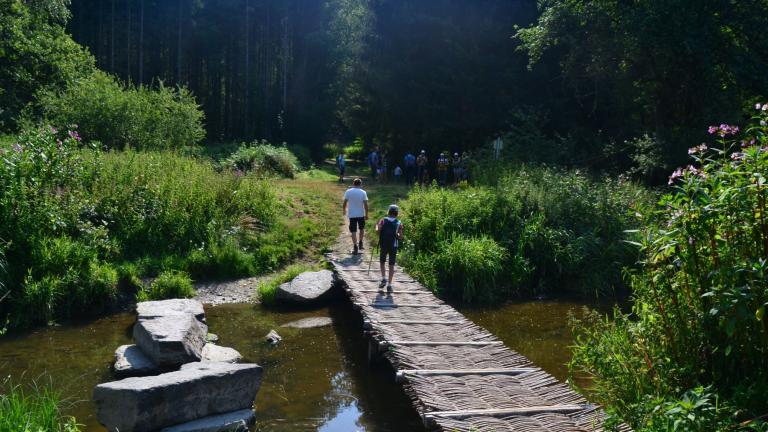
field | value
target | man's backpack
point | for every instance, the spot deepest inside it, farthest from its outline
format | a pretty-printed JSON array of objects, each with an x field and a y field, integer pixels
[{"x": 388, "y": 233}]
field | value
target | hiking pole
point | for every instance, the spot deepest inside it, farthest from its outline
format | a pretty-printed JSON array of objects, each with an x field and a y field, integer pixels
[{"x": 370, "y": 261}]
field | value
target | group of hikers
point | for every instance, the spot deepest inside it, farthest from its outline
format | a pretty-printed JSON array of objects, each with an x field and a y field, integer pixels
[
  {"x": 389, "y": 229},
  {"x": 415, "y": 169}
]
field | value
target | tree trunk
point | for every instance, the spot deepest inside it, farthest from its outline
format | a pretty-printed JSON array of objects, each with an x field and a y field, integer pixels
[
  {"x": 178, "y": 46},
  {"x": 112, "y": 39},
  {"x": 141, "y": 43},
  {"x": 246, "y": 117},
  {"x": 128, "y": 41}
]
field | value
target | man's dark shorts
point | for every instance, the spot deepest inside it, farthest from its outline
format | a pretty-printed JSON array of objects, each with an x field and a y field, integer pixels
[
  {"x": 354, "y": 223},
  {"x": 391, "y": 251}
]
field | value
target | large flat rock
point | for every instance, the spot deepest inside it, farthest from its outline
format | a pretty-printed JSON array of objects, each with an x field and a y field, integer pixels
[
  {"x": 171, "y": 307},
  {"x": 196, "y": 391},
  {"x": 130, "y": 361},
  {"x": 216, "y": 353},
  {"x": 236, "y": 421},
  {"x": 170, "y": 340},
  {"x": 306, "y": 288}
]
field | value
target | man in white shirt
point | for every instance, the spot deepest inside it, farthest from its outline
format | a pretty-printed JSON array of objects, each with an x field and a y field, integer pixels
[{"x": 356, "y": 201}]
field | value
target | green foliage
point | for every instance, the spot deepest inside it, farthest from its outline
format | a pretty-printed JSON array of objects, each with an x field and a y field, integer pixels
[
  {"x": 700, "y": 297},
  {"x": 35, "y": 54},
  {"x": 608, "y": 58},
  {"x": 70, "y": 212},
  {"x": 121, "y": 116},
  {"x": 34, "y": 408},
  {"x": 168, "y": 285},
  {"x": 268, "y": 288},
  {"x": 464, "y": 268},
  {"x": 552, "y": 224},
  {"x": 263, "y": 159}
]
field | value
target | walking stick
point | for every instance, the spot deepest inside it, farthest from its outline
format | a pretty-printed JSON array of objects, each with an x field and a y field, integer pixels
[{"x": 370, "y": 261}]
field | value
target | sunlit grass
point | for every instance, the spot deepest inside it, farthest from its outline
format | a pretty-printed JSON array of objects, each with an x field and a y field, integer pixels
[{"x": 32, "y": 408}]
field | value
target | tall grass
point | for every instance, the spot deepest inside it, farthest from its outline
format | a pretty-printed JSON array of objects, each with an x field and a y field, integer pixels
[
  {"x": 33, "y": 408},
  {"x": 532, "y": 231},
  {"x": 80, "y": 224},
  {"x": 698, "y": 319}
]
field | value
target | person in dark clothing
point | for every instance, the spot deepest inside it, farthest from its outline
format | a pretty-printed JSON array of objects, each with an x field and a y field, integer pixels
[
  {"x": 410, "y": 168},
  {"x": 390, "y": 231}
]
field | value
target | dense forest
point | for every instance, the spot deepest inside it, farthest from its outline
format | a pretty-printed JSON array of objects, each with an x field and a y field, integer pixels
[{"x": 598, "y": 84}]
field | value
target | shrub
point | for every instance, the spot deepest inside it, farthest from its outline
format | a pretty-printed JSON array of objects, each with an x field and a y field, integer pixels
[
  {"x": 168, "y": 285},
  {"x": 552, "y": 224},
  {"x": 68, "y": 212},
  {"x": 121, "y": 116},
  {"x": 32, "y": 408},
  {"x": 263, "y": 159},
  {"x": 700, "y": 297},
  {"x": 467, "y": 268}
]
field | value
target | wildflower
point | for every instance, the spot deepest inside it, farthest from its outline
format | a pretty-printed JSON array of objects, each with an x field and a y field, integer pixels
[
  {"x": 74, "y": 135},
  {"x": 675, "y": 175},
  {"x": 737, "y": 156},
  {"x": 758, "y": 106},
  {"x": 712, "y": 129},
  {"x": 698, "y": 149},
  {"x": 765, "y": 107},
  {"x": 17, "y": 148}
]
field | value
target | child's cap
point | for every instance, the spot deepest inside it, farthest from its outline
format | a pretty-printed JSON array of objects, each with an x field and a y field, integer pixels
[{"x": 394, "y": 209}]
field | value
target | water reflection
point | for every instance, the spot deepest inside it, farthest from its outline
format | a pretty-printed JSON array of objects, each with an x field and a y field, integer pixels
[{"x": 316, "y": 379}]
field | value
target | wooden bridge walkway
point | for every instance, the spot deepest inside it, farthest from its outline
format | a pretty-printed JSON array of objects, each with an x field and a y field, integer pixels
[{"x": 458, "y": 375}]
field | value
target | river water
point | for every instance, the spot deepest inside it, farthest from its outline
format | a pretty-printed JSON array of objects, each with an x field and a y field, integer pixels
[{"x": 315, "y": 380}]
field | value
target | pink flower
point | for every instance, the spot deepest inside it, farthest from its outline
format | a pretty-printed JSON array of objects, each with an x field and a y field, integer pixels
[
  {"x": 675, "y": 175},
  {"x": 698, "y": 149},
  {"x": 758, "y": 106},
  {"x": 712, "y": 129},
  {"x": 765, "y": 107},
  {"x": 17, "y": 148},
  {"x": 75, "y": 135},
  {"x": 737, "y": 156}
]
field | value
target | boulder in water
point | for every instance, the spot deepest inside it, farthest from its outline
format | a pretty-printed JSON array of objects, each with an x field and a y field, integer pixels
[
  {"x": 215, "y": 353},
  {"x": 196, "y": 391},
  {"x": 306, "y": 288},
  {"x": 273, "y": 338},
  {"x": 170, "y": 340},
  {"x": 130, "y": 361}
]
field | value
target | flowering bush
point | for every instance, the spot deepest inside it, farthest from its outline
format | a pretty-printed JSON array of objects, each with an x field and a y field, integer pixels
[{"x": 699, "y": 315}]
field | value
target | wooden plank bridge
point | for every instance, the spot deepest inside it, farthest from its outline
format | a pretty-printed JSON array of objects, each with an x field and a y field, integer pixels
[{"x": 458, "y": 375}]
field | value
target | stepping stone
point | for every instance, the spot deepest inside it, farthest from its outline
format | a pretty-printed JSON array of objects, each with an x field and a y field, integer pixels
[
  {"x": 170, "y": 340},
  {"x": 215, "y": 353},
  {"x": 130, "y": 361},
  {"x": 306, "y": 288},
  {"x": 233, "y": 421},
  {"x": 171, "y": 307},
  {"x": 196, "y": 391},
  {"x": 312, "y": 322}
]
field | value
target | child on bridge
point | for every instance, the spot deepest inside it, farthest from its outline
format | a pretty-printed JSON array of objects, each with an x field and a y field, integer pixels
[{"x": 390, "y": 231}]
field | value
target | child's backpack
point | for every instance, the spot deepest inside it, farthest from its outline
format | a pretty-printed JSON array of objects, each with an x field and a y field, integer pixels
[{"x": 388, "y": 233}]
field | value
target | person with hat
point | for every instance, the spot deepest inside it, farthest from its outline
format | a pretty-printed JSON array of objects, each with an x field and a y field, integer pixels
[
  {"x": 421, "y": 167},
  {"x": 390, "y": 231},
  {"x": 456, "y": 164},
  {"x": 442, "y": 169}
]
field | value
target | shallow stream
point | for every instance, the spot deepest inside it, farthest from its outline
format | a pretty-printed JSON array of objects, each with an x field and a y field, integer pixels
[{"x": 315, "y": 380}]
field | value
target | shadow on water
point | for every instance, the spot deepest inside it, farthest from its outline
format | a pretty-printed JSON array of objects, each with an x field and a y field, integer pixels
[{"x": 317, "y": 379}]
